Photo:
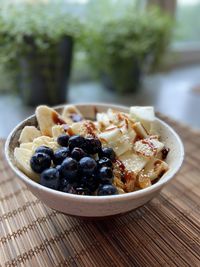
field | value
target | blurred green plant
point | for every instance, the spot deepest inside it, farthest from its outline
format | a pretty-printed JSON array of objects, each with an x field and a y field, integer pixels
[
  {"x": 126, "y": 43},
  {"x": 33, "y": 25}
]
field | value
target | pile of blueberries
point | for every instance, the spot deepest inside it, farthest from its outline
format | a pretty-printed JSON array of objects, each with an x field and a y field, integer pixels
[{"x": 72, "y": 168}]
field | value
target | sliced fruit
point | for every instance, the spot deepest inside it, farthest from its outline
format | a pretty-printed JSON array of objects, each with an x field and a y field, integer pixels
[
  {"x": 47, "y": 118},
  {"x": 113, "y": 116},
  {"x": 83, "y": 128},
  {"x": 57, "y": 130},
  {"x": 130, "y": 178},
  {"x": 22, "y": 157},
  {"x": 103, "y": 120},
  {"x": 127, "y": 128},
  {"x": 143, "y": 182},
  {"x": 154, "y": 169},
  {"x": 148, "y": 147},
  {"x": 27, "y": 145},
  {"x": 28, "y": 134},
  {"x": 133, "y": 162},
  {"x": 44, "y": 141},
  {"x": 114, "y": 138},
  {"x": 140, "y": 130},
  {"x": 111, "y": 135},
  {"x": 145, "y": 115}
]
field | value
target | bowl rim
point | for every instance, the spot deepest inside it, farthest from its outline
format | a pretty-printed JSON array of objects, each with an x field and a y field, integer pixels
[{"x": 120, "y": 197}]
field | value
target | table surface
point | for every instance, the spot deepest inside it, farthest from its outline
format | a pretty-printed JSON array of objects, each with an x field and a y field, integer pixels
[{"x": 164, "y": 232}]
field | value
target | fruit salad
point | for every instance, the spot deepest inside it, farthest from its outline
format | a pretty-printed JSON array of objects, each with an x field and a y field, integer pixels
[{"x": 116, "y": 153}]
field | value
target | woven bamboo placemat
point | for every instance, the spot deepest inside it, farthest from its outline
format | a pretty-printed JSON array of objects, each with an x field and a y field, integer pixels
[{"x": 165, "y": 232}]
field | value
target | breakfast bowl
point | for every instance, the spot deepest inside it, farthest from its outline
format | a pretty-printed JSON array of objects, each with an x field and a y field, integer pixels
[{"x": 98, "y": 206}]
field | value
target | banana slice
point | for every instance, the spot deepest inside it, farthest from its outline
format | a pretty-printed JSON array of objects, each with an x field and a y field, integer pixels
[
  {"x": 57, "y": 130},
  {"x": 133, "y": 162},
  {"x": 47, "y": 118},
  {"x": 28, "y": 134},
  {"x": 83, "y": 128},
  {"x": 22, "y": 157},
  {"x": 71, "y": 113},
  {"x": 145, "y": 115},
  {"x": 28, "y": 146},
  {"x": 44, "y": 141},
  {"x": 148, "y": 147}
]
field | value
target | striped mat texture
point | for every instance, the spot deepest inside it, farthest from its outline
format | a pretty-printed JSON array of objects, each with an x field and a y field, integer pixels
[{"x": 165, "y": 232}]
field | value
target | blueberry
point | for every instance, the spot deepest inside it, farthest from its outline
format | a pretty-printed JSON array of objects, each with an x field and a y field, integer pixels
[
  {"x": 63, "y": 183},
  {"x": 90, "y": 182},
  {"x": 58, "y": 167},
  {"x": 76, "y": 117},
  {"x": 45, "y": 149},
  {"x": 82, "y": 191},
  {"x": 87, "y": 166},
  {"x": 105, "y": 175},
  {"x": 92, "y": 145},
  {"x": 77, "y": 153},
  {"x": 50, "y": 178},
  {"x": 104, "y": 162},
  {"x": 76, "y": 141},
  {"x": 107, "y": 189},
  {"x": 69, "y": 188},
  {"x": 69, "y": 169},
  {"x": 39, "y": 162},
  {"x": 107, "y": 152},
  {"x": 61, "y": 154},
  {"x": 63, "y": 139}
]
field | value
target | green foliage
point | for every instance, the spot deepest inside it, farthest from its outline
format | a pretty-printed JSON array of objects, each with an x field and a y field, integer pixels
[
  {"x": 134, "y": 35},
  {"x": 39, "y": 25}
]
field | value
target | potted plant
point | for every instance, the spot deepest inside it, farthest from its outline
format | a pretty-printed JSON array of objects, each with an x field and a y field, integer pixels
[
  {"x": 124, "y": 46},
  {"x": 37, "y": 42}
]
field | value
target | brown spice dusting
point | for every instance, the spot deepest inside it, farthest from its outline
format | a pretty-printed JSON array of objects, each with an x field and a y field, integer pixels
[
  {"x": 120, "y": 164},
  {"x": 150, "y": 144},
  {"x": 90, "y": 127},
  {"x": 120, "y": 117},
  {"x": 126, "y": 123},
  {"x": 157, "y": 162}
]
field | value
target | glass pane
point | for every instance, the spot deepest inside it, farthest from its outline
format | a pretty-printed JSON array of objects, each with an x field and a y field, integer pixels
[{"x": 188, "y": 20}]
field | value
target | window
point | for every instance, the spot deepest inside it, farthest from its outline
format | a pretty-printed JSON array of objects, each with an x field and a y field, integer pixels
[
  {"x": 185, "y": 46},
  {"x": 188, "y": 20}
]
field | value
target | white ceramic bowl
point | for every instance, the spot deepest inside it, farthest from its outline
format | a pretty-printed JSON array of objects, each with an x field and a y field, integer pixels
[{"x": 99, "y": 206}]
